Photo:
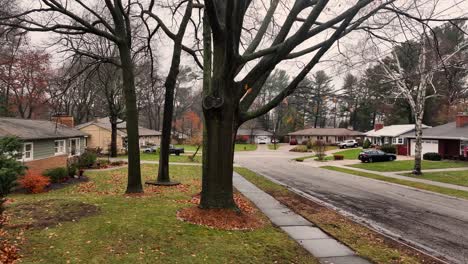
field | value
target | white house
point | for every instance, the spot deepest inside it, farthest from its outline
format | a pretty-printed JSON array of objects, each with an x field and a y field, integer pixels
[
  {"x": 257, "y": 136},
  {"x": 382, "y": 135}
]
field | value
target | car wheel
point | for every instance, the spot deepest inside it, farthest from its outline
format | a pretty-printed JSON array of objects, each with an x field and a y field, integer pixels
[
  {"x": 177, "y": 153},
  {"x": 390, "y": 158},
  {"x": 344, "y": 146},
  {"x": 370, "y": 160}
]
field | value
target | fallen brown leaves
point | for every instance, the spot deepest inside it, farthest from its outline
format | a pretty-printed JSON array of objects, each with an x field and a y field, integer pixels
[
  {"x": 225, "y": 219},
  {"x": 9, "y": 245}
]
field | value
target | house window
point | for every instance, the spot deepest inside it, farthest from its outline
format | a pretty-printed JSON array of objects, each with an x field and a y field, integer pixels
[
  {"x": 28, "y": 151},
  {"x": 397, "y": 141},
  {"x": 59, "y": 147}
]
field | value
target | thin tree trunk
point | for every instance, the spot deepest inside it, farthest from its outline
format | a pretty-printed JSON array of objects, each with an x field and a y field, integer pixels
[
  {"x": 113, "y": 146},
  {"x": 134, "y": 172},
  {"x": 418, "y": 147}
]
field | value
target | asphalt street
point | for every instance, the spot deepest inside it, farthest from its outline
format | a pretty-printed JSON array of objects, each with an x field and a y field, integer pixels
[{"x": 435, "y": 222}]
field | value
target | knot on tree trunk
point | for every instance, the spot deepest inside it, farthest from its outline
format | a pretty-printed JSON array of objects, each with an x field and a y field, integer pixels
[{"x": 211, "y": 101}]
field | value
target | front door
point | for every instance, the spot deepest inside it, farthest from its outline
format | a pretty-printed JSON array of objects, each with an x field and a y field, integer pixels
[{"x": 74, "y": 146}]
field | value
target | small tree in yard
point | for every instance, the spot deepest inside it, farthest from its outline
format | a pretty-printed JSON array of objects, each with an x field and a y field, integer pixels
[
  {"x": 415, "y": 86},
  {"x": 10, "y": 168},
  {"x": 319, "y": 148}
]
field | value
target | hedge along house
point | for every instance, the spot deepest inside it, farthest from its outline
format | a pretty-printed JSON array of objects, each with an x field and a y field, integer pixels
[
  {"x": 100, "y": 131},
  {"x": 449, "y": 140},
  {"x": 391, "y": 135},
  {"x": 329, "y": 135},
  {"x": 46, "y": 144}
]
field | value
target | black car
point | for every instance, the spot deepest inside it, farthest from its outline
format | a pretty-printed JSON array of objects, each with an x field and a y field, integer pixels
[
  {"x": 175, "y": 150},
  {"x": 376, "y": 155}
]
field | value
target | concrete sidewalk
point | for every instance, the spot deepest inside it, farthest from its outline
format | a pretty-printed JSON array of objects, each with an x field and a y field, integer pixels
[
  {"x": 322, "y": 246},
  {"x": 397, "y": 175}
]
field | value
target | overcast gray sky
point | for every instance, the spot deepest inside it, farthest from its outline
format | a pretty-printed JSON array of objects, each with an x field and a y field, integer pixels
[{"x": 334, "y": 63}]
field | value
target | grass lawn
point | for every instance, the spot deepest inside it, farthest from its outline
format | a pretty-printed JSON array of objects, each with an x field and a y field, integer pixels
[
  {"x": 350, "y": 154},
  {"x": 245, "y": 147},
  {"x": 273, "y": 146},
  {"x": 418, "y": 185},
  {"x": 364, "y": 241},
  {"x": 172, "y": 158},
  {"x": 140, "y": 229},
  {"x": 407, "y": 165},
  {"x": 452, "y": 177}
]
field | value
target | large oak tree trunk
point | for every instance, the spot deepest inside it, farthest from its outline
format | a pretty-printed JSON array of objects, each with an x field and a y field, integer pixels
[
  {"x": 218, "y": 152},
  {"x": 134, "y": 173}
]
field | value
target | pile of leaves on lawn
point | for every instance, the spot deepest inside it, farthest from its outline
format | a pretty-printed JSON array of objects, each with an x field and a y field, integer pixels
[
  {"x": 9, "y": 243},
  {"x": 246, "y": 218}
]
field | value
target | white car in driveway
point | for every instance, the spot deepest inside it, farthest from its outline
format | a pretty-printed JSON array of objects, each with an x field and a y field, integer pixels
[{"x": 348, "y": 144}]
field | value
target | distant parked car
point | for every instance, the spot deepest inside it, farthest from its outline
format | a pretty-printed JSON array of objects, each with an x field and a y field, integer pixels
[
  {"x": 149, "y": 149},
  {"x": 376, "y": 155},
  {"x": 175, "y": 150},
  {"x": 293, "y": 141},
  {"x": 348, "y": 144}
]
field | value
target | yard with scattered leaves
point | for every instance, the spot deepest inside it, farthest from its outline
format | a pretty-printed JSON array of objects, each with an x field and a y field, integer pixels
[{"x": 94, "y": 222}]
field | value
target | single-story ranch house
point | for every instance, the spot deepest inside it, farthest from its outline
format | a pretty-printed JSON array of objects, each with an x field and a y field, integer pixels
[
  {"x": 46, "y": 144},
  {"x": 329, "y": 135},
  {"x": 254, "y": 135},
  {"x": 449, "y": 140},
  {"x": 100, "y": 131},
  {"x": 382, "y": 135}
]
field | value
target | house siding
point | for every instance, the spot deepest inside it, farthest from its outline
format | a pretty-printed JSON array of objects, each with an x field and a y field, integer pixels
[
  {"x": 101, "y": 138},
  {"x": 43, "y": 149}
]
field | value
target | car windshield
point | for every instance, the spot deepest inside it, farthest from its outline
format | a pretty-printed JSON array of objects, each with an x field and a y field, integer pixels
[{"x": 380, "y": 152}]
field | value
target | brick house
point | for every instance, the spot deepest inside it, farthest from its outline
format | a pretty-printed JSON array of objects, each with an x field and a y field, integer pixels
[
  {"x": 46, "y": 144},
  {"x": 449, "y": 140}
]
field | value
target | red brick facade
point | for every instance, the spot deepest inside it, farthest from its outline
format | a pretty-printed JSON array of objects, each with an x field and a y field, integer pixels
[
  {"x": 461, "y": 120},
  {"x": 39, "y": 166}
]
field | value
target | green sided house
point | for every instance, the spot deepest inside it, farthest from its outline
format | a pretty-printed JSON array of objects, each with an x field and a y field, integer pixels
[{"x": 46, "y": 144}]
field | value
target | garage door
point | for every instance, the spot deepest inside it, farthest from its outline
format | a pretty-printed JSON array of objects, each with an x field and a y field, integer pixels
[{"x": 427, "y": 146}]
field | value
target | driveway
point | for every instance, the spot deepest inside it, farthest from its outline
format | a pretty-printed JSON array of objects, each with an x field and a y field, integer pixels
[{"x": 435, "y": 222}]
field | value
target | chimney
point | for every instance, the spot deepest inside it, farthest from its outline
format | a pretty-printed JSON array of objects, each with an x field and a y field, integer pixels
[
  {"x": 65, "y": 120},
  {"x": 462, "y": 119},
  {"x": 378, "y": 126}
]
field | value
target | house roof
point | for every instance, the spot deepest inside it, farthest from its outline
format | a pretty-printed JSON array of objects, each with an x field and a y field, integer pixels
[
  {"x": 447, "y": 131},
  {"x": 255, "y": 132},
  {"x": 27, "y": 129},
  {"x": 326, "y": 132},
  {"x": 392, "y": 131},
  {"x": 121, "y": 127}
]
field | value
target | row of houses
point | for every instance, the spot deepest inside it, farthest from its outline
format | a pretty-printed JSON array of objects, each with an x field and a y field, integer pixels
[{"x": 449, "y": 140}]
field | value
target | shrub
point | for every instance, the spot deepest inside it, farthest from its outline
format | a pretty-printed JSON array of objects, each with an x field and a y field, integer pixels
[
  {"x": 10, "y": 168},
  {"x": 388, "y": 149},
  {"x": 304, "y": 142},
  {"x": 34, "y": 183},
  {"x": 299, "y": 159},
  {"x": 319, "y": 148},
  {"x": 299, "y": 148},
  {"x": 338, "y": 157},
  {"x": 87, "y": 159},
  {"x": 432, "y": 156},
  {"x": 310, "y": 144},
  {"x": 57, "y": 174},
  {"x": 367, "y": 144}
]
